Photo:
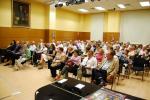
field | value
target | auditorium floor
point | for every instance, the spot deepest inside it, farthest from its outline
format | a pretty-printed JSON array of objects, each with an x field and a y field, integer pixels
[{"x": 21, "y": 85}]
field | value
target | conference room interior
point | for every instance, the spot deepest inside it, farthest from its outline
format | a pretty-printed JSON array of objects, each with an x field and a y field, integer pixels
[{"x": 102, "y": 25}]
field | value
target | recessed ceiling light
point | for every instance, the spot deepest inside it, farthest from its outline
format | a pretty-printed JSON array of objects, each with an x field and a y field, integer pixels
[
  {"x": 121, "y": 6},
  {"x": 82, "y": 10},
  {"x": 99, "y": 8},
  {"x": 145, "y": 3}
]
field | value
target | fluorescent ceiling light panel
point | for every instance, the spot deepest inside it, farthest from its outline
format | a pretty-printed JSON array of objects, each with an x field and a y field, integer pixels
[
  {"x": 86, "y": 1},
  {"x": 121, "y": 6},
  {"x": 99, "y": 8},
  {"x": 145, "y": 3},
  {"x": 82, "y": 10}
]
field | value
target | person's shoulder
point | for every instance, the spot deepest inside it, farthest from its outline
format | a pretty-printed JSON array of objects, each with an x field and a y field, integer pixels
[
  {"x": 63, "y": 54},
  {"x": 85, "y": 57},
  {"x": 94, "y": 58}
]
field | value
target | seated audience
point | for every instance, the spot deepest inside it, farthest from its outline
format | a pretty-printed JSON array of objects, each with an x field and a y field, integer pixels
[
  {"x": 43, "y": 57},
  {"x": 71, "y": 65},
  {"x": 99, "y": 55},
  {"x": 107, "y": 69},
  {"x": 69, "y": 52},
  {"x": 32, "y": 48},
  {"x": 87, "y": 65},
  {"x": 41, "y": 49},
  {"x": 57, "y": 63},
  {"x": 23, "y": 58},
  {"x": 10, "y": 48},
  {"x": 15, "y": 54},
  {"x": 51, "y": 51}
]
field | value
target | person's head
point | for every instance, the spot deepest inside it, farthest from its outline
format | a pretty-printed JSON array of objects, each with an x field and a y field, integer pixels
[
  {"x": 41, "y": 40},
  {"x": 90, "y": 53},
  {"x": 17, "y": 42},
  {"x": 70, "y": 49},
  {"x": 52, "y": 46},
  {"x": 76, "y": 53},
  {"x": 60, "y": 49},
  {"x": 126, "y": 52},
  {"x": 133, "y": 47},
  {"x": 109, "y": 47},
  {"x": 117, "y": 48},
  {"x": 101, "y": 51},
  {"x": 87, "y": 48},
  {"x": 13, "y": 42},
  {"x": 110, "y": 54},
  {"x": 146, "y": 51},
  {"x": 28, "y": 45},
  {"x": 33, "y": 42}
]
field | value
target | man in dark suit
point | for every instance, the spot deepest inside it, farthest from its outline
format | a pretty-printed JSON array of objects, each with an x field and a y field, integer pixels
[{"x": 14, "y": 53}]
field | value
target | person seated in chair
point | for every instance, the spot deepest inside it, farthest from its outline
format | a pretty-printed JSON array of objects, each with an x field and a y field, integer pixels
[
  {"x": 87, "y": 65},
  {"x": 43, "y": 57},
  {"x": 71, "y": 65},
  {"x": 57, "y": 63},
  {"x": 15, "y": 54},
  {"x": 106, "y": 71},
  {"x": 26, "y": 56}
]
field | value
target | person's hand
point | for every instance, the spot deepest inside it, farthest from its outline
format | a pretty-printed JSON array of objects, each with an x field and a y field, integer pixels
[
  {"x": 57, "y": 61},
  {"x": 109, "y": 77}
]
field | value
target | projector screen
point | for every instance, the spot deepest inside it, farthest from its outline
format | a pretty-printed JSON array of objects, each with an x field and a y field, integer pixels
[{"x": 135, "y": 27}]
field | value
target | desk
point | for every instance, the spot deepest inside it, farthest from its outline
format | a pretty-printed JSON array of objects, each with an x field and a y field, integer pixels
[
  {"x": 51, "y": 92},
  {"x": 71, "y": 83},
  {"x": 67, "y": 91}
]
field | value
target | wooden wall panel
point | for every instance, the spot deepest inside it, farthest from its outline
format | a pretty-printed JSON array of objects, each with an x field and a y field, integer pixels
[
  {"x": 21, "y": 34},
  {"x": 7, "y": 34},
  {"x": 111, "y": 36},
  {"x": 68, "y": 35},
  {"x": 84, "y": 36}
]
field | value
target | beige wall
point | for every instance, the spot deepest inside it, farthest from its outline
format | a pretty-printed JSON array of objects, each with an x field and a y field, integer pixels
[
  {"x": 112, "y": 21},
  {"x": 66, "y": 20},
  {"x": 69, "y": 21},
  {"x": 38, "y": 12},
  {"x": 43, "y": 17},
  {"x": 85, "y": 23},
  {"x": 52, "y": 17},
  {"x": 38, "y": 16},
  {"x": 5, "y": 13}
]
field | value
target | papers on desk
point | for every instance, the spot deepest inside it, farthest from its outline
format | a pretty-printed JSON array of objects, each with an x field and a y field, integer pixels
[
  {"x": 62, "y": 81},
  {"x": 80, "y": 86}
]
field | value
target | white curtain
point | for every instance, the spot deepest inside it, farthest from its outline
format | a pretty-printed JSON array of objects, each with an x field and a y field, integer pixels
[
  {"x": 135, "y": 27},
  {"x": 97, "y": 26}
]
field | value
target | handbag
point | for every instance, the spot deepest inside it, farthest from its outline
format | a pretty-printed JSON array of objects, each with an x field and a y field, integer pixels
[
  {"x": 54, "y": 64},
  {"x": 70, "y": 63},
  {"x": 84, "y": 71}
]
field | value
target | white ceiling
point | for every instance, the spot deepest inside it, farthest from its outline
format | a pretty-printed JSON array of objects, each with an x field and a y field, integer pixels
[{"x": 107, "y": 4}]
